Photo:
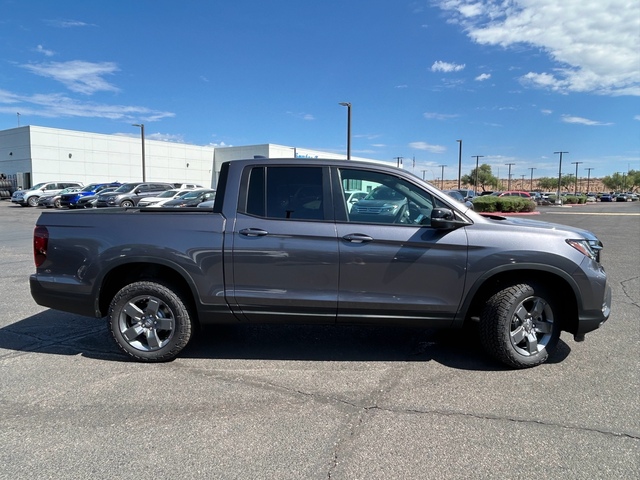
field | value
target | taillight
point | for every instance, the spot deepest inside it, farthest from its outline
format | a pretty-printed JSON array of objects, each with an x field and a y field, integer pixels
[{"x": 40, "y": 244}]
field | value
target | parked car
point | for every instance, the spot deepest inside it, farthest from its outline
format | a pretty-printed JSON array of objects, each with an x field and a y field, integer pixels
[
  {"x": 129, "y": 194},
  {"x": 591, "y": 197},
  {"x": 352, "y": 197},
  {"x": 70, "y": 200},
  {"x": 513, "y": 193},
  {"x": 89, "y": 201},
  {"x": 52, "y": 200},
  {"x": 161, "y": 199},
  {"x": 459, "y": 197},
  {"x": 192, "y": 199},
  {"x": 536, "y": 197},
  {"x": 382, "y": 200},
  {"x": 606, "y": 197},
  {"x": 467, "y": 193},
  {"x": 262, "y": 256},
  {"x": 29, "y": 197},
  {"x": 186, "y": 186}
]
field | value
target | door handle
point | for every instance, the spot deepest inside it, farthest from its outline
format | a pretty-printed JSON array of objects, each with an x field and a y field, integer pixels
[
  {"x": 253, "y": 232},
  {"x": 357, "y": 238}
]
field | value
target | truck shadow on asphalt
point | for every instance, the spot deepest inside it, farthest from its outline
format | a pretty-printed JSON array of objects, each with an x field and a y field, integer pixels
[{"x": 58, "y": 333}]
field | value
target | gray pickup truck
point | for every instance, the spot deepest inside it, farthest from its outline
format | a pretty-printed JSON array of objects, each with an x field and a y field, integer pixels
[{"x": 281, "y": 245}]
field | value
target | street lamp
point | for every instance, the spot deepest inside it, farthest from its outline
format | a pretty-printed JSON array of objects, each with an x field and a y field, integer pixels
[
  {"x": 575, "y": 192},
  {"x": 442, "y": 177},
  {"x": 475, "y": 189},
  {"x": 588, "y": 177},
  {"x": 531, "y": 186},
  {"x": 509, "y": 180},
  {"x": 459, "y": 162},
  {"x": 558, "y": 199},
  {"x": 348, "y": 105},
  {"x": 141, "y": 125}
]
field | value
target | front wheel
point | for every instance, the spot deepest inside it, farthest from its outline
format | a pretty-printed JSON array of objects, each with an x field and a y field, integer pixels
[
  {"x": 127, "y": 204},
  {"x": 33, "y": 201},
  {"x": 519, "y": 325},
  {"x": 150, "y": 321}
]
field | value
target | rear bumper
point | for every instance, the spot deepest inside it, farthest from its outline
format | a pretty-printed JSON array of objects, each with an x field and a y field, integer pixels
[{"x": 61, "y": 296}]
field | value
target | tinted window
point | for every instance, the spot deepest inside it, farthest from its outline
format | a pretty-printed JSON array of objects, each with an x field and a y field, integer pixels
[{"x": 286, "y": 193}]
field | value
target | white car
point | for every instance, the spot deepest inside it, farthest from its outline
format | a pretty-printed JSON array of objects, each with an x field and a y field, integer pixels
[
  {"x": 163, "y": 197},
  {"x": 29, "y": 198}
]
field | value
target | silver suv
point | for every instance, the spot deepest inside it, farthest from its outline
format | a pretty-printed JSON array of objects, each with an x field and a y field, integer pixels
[
  {"x": 129, "y": 194},
  {"x": 29, "y": 197}
]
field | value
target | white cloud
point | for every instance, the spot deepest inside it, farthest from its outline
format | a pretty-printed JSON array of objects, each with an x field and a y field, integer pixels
[
  {"x": 427, "y": 147},
  {"x": 582, "y": 121},
  {"x": 76, "y": 75},
  {"x": 44, "y": 51},
  {"x": 58, "y": 105},
  {"x": 440, "y": 66},
  {"x": 438, "y": 116},
  {"x": 595, "y": 43},
  {"x": 483, "y": 77},
  {"x": 68, "y": 23}
]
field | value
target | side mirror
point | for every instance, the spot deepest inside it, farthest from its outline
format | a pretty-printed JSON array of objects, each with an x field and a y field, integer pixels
[{"x": 444, "y": 219}]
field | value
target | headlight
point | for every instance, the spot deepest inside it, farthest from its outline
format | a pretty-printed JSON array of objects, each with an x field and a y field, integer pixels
[{"x": 588, "y": 249}]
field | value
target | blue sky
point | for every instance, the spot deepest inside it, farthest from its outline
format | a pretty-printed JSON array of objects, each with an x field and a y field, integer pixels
[{"x": 515, "y": 80}]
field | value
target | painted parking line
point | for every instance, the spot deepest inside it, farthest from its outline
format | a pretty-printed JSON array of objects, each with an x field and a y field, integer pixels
[{"x": 609, "y": 214}]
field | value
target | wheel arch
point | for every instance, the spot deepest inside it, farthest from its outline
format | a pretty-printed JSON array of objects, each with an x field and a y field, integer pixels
[
  {"x": 557, "y": 282},
  {"x": 127, "y": 273}
]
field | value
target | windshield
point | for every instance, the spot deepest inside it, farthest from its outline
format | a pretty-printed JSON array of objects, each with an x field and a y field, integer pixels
[
  {"x": 192, "y": 195},
  {"x": 38, "y": 186},
  {"x": 126, "y": 187},
  {"x": 168, "y": 194}
]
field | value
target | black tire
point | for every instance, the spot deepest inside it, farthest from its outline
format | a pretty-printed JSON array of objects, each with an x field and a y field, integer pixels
[
  {"x": 127, "y": 203},
  {"x": 520, "y": 326},
  {"x": 150, "y": 321},
  {"x": 33, "y": 201}
]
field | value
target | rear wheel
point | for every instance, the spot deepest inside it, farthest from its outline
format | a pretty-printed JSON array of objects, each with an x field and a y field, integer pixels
[
  {"x": 56, "y": 203},
  {"x": 150, "y": 321},
  {"x": 519, "y": 325}
]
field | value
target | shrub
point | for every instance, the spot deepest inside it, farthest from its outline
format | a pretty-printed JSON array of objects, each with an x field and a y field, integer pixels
[{"x": 490, "y": 203}]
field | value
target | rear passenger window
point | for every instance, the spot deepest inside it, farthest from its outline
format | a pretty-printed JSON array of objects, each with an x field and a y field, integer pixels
[{"x": 286, "y": 193}]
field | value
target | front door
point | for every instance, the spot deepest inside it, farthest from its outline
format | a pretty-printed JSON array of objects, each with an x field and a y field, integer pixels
[{"x": 393, "y": 266}]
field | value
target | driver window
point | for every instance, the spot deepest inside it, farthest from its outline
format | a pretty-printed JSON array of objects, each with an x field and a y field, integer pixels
[{"x": 375, "y": 197}]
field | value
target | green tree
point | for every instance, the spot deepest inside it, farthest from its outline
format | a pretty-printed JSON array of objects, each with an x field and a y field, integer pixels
[
  {"x": 622, "y": 181},
  {"x": 485, "y": 178},
  {"x": 551, "y": 183}
]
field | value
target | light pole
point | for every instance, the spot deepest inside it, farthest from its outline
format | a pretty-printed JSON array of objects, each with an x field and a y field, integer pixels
[
  {"x": 348, "y": 105},
  {"x": 475, "y": 189},
  {"x": 531, "y": 185},
  {"x": 442, "y": 177},
  {"x": 509, "y": 179},
  {"x": 459, "y": 162},
  {"x": 575, "y": 192},
  {"x": 588, "y": 177},
  {"x": 558, "y": 200},
  {"x": 141, "y": 125},
  {"x": 398, "y": 161}
]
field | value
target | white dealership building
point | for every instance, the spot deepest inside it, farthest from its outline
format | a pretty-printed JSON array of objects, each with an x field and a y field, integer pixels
[{"x": 33, "y": 154}]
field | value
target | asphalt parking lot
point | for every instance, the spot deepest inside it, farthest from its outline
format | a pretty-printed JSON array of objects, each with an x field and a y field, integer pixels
[{"x": 258, "y": 402}]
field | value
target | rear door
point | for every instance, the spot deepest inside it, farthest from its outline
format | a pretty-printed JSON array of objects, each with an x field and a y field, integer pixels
[
  {"x": 285, "y": 254},
  {"x": 397, "y": 268}
]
